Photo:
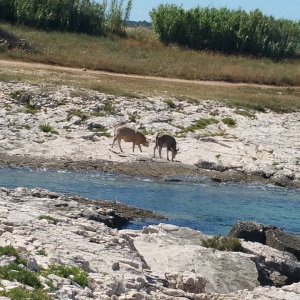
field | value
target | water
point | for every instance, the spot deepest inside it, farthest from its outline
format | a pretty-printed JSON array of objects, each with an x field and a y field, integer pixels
[{"x": 209, "y": 207}]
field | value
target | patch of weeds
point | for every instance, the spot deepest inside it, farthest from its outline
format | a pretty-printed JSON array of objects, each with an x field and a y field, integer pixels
[
  {"x": 218, "y": 156},
  {"x": 214, "y": 113},
  {"x": 200, "y": 124},
  {"x": 30, "y": 109},
  {"x": 223, "y": 244},
  {"x": 170, "y": 103},
  {"x": 229, "y": 122},
  {"x": 98, "y": 114},
  {"x": 21, "y": 293},
  {"x": 47, "y": 128},
  {"x": 133, "y": 118},
  {"x": 16, "y": 95},
  {"x": 245, "y": 113},
  {"x": 147, "y": 131},
  {"x": 49, "y": 218},
  {"x": 78, "y": 275},
  {"x": 15, "y": 272},
  {"x": 78, "y": 113},
  {"x": 9, "y": 251},
  {"x": 41, "y": 252}
]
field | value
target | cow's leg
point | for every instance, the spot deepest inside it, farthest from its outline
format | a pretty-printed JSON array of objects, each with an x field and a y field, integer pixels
[
  {"x": 173, "y": 154},
  {"x": 119, "y": 142},
  {"x": 167, "y": 154},
  {"x": 159, "y": 151},
  {"x": 133, "y": 146},
  {"x": 114, "y": 140}
]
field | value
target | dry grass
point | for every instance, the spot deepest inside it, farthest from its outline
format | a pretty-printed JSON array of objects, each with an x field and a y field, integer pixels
[
  {"x": 280, "y": 99},
  {"x": 142, "y": 54}
]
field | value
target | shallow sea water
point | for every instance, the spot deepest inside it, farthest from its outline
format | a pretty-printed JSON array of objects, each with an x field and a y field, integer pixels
[{"x": 209, "y": 207}]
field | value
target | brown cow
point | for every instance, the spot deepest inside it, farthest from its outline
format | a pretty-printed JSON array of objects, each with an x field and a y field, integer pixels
[
  {"x": 165, "y": 141},
  {"x": 130, "y": 135}
]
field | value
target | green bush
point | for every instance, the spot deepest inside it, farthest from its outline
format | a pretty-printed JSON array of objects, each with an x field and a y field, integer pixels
[
  {"x": 227, "y": 31},
  {"x": 223, "y": 244}
]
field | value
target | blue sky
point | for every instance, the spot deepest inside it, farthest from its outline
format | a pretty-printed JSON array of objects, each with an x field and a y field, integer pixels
[{"x": 289, "y": 9}]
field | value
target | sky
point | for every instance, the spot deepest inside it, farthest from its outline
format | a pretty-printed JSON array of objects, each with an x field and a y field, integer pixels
[{"x": 288, "y": 9}]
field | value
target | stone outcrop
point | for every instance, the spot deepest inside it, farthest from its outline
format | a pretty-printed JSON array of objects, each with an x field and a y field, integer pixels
[{"x": 268, "y": 235}]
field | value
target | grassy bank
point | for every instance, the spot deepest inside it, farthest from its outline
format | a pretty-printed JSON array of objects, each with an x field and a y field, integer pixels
[
  {"x": 142, "y": 54},
  {"x": 279, "y": 99}
]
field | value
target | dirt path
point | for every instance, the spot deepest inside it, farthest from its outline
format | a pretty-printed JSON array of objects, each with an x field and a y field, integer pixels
[{"x": 45, "y": 67}]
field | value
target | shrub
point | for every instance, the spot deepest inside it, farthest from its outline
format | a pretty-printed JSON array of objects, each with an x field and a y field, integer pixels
[{"x": 223, "y": 244}]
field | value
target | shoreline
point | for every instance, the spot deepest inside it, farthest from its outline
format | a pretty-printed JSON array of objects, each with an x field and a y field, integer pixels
[{"x": 166, "y": 171}]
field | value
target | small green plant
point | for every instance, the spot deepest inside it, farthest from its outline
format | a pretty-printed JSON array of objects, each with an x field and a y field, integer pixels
[
  {"x": 41, "y": 252},
  {"x": 170, "y": 103},
  {"x": 47, "y": 128},
  {"x": 30, "y": 109},
  {"x": 78, "y": 275},
  {"x": 218, "y": 156},
  {"x": 79, "y": 113},
  {"x": 229, "y": 122},
  {"x": 200, "y": 124},
  {"x": 49, "y": 218},
  {"x": 223, "y": 244},
  {"x": 22, "y": 293},
  {"x": 109, "y": 108}
]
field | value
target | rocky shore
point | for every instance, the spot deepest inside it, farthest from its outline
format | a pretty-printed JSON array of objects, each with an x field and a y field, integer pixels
[
  {"x": 52, "y": 232},
  {"x": 62, "y": 127}
]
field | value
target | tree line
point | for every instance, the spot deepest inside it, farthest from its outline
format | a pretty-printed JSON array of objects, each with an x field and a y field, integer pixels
[
  {"x": 83, "y": 16},
  {"x": 227, "y": 31}
]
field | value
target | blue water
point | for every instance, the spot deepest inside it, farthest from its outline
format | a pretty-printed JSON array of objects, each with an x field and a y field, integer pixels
[{"x": 209, "y": 207}]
